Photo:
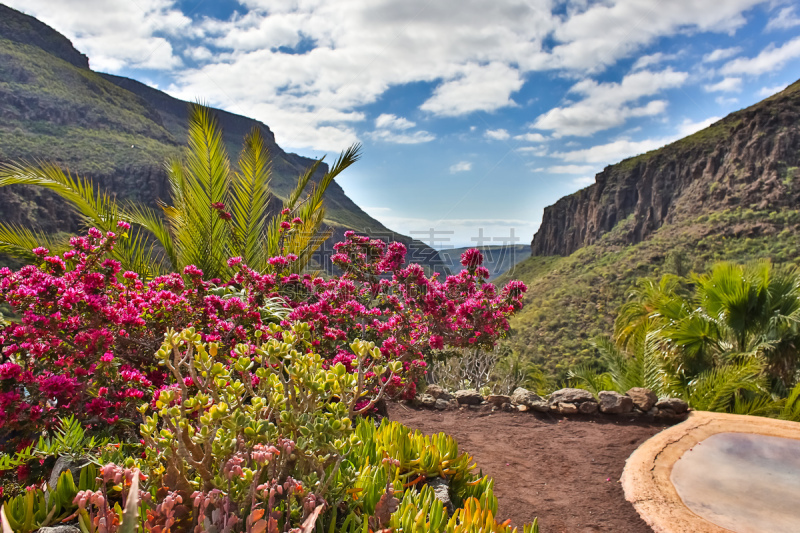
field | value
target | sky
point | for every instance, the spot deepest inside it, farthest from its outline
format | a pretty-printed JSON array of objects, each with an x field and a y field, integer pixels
[{"x": 474, "y": 115}]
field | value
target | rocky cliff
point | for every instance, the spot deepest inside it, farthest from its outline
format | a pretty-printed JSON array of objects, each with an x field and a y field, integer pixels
[{"x": 748, "y": 159}]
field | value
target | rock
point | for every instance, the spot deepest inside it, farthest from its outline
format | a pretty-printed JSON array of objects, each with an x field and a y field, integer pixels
[
  {"x": 529, "y": 399},
  {"x": 469, "y": 397},
  {"x": 438, "y": 392},
  {"x": 667, "y": 414},
  {"x": 588, "y": 408},
  {"x": 62, "y": 465},
  {"x": 674, "y": 404},
  {"x": 498, "y": 399},
  {"x": 522, "y": 408},
  {"x": 60, "y": 529},
  {"x": 571, "y": 396},
  {"x": 642, "y": 398},
  {"x": 444, "y": 405},
  {"x": 615, "y": 403},
  {"x": 425, "y": 400},
  {"x": 508, "y": 408},
  {"x": 522, "y": 396},
  {"x": 653, "y": 411},
  {"x": 566, "y": 408},
  {"x": 441, "y": 489}
]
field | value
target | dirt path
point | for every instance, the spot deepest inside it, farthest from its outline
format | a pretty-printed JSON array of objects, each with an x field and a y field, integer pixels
[{"x": 563, "y": 470}]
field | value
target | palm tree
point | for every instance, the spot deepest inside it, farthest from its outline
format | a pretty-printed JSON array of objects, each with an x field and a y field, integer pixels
[
  {"x": 214, "y": 212},
  {"x": 726, "y": 340}
]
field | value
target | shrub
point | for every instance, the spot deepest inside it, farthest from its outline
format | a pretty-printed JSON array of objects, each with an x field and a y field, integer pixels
[{"x": 85, "y": 334}]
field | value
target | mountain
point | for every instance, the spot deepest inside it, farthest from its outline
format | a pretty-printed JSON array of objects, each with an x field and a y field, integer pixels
[
  {"x": 728, "y": 192},
  {"x": 499, "y": 259},
  {"x": 119, "y": 132}
]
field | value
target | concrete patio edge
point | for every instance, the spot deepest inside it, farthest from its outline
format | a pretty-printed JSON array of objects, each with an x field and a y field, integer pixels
[{"x": 646, "y": 477}]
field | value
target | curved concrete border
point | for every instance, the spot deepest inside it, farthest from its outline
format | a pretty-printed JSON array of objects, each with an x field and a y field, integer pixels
[{"x": 646, "y": 477}]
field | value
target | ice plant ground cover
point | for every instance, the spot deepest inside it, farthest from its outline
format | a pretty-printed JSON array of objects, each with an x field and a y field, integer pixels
[{"x": 241, "y": 401}]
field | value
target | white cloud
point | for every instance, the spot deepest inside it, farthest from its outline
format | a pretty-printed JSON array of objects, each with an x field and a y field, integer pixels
[
  {"x": 601, "y": 34},
  {"x": 393, "y": 129},
  {"x": 475, "y": 88},
  {"x": 612, "y": 152},
  {"x": 307, "y": 68},
  {"x": 497, "y": 135},
  {"x": 726, "y": 85},
  {"x": 393, "y": 122},
  {"x": 724, "y": 101},
  {"x": 721, "y": 53},
  {"x": 769, "y": 91},
  {"x": 461, "y": 166},
  {"x": 785, "y": 19},
  {"x": 770, "y": 59},
  {"x": 652, "y": 59},
  {"x": 199, "y": 53},
  {"x": 533, "y": 150},
  {"x": 570, "y": 169},
  {"x": 615, "y": 151},
  {"x": 396, "y": 137},
  {"x": 531, "y": 137},
  {"x": 607, "y": 105},
  {"x": 584, "y": 181}
]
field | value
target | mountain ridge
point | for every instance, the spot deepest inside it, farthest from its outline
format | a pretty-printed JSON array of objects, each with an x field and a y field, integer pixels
[
  {"x": 119, "y": 132},
  {"x": 748, "y": 155}
]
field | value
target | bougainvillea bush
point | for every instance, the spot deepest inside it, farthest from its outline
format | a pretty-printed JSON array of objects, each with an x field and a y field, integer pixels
[
  {"x": 241, "y": 398},
  {"x": 86, "y": 334}
]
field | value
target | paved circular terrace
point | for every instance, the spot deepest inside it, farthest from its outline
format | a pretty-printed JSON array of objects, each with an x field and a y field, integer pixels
[{"x": 718, "y": 473}]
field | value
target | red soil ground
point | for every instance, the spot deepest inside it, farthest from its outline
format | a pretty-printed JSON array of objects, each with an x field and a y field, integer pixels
[{"x": 563, "y": 470}]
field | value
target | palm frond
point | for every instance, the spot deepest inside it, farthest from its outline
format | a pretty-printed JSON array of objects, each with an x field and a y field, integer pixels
[
  {"x": 18, "y": 241},
  {"x": 590, "y": 379},
  {"x": 249, "y": 199}
]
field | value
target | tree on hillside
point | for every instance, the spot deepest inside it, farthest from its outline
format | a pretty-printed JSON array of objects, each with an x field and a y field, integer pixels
[
  {"x": 726, "y": 340},
  {"x": 214, "y": 212}
]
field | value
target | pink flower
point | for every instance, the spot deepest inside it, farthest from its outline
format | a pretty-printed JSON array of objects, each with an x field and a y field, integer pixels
[
  {"x": 472, "y": 258},
  {"x": 123, "y": 225}
]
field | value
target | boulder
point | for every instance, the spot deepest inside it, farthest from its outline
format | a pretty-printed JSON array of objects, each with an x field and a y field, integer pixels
[
  {"x": 508, "y": 408},
  {"x": 644, "y": 399},
  {"x": 673, "y": 404},
  {"x": 498, "y": 399},
  {"x": 529, "y": 399},
  {"x": 588, "y": 408},
  {"x": 441, "y": 490},
  {"x": 614, "y": 403},
  {"x": 438, "y": 392},
  {"x": 425, "y": 400},
  {"x": 571, "y": 396},
  {"x": 444, "y": 405},
  {"x": 63, "y": 464},
  {"x": 469, "y": 397},
  {"x": 522, "y": 408},
  {"x": 60, "y": 529},
  {"x": 566, "y": 408}
]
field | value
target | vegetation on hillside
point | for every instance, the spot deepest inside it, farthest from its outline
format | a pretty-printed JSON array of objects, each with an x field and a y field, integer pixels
[
  {"x": 572, "y": 300},
  {"x": 726, "y": 340}
]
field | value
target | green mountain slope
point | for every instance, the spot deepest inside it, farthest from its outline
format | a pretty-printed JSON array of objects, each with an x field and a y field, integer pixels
[
  {"x": 118, "y": 132},
  {"x": 731, "y": 192}
]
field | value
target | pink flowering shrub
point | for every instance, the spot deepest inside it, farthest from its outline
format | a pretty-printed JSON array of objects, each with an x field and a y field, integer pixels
[{"x": 86, "y": 333}]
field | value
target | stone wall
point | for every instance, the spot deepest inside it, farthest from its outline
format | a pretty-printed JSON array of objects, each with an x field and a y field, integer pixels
[{"x": 636, "y": 402}]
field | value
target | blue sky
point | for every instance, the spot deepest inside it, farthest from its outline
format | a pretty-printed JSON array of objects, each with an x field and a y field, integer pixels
[{"x": 474, "y": 114}]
